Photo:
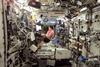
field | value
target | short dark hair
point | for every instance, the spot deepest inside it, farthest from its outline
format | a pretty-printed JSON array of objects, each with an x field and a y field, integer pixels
[{"x": 51, "y": 27}]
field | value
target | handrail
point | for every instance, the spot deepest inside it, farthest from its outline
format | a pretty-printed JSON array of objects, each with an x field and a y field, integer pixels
[{"x": 5, "y": 33}]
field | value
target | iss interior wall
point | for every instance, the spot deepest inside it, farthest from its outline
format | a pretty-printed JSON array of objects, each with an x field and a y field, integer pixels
[
  {"x": 96, "y": 27},
  {"x": 1, "y": 38}
]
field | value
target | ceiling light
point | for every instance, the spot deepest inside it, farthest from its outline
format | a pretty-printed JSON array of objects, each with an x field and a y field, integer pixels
[
  {"x": 58, "y": 4},
  {"x": 43, "y": 4},
  {"x": 37, "y": 0},
  {"x": 83, "y": 9},
  {"x": 21, "y": 1},
  {"x": 98, "y": 1}
]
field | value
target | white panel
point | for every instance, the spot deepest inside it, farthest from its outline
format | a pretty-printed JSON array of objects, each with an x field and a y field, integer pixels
[{"x": 62, "y": 53}]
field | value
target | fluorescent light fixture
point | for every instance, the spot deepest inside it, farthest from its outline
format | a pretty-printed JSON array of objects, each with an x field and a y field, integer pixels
[
  {"x": 37, "y": 0},
  {"x": 21, "y": 1},
  {"x": 58, "y": 4},
  {"x": 83, "y": 9},
  {"x": 98, "y": 1},
  {"x": 43, "y": 4}
]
